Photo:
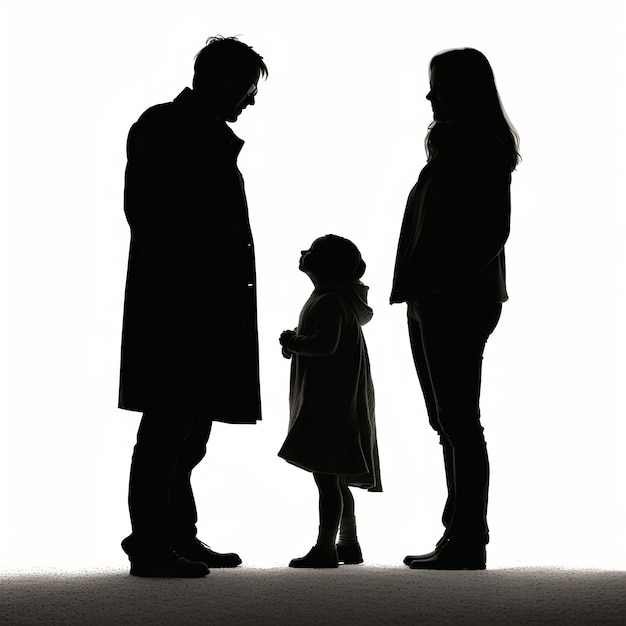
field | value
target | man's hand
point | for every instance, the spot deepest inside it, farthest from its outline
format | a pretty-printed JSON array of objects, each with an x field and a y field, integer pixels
[{"x": 284, "y": 338}]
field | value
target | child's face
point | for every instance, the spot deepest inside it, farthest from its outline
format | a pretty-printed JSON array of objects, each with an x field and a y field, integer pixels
[
  {"x": 313, "y": 262},
  {"x": 309, "y": 259}
]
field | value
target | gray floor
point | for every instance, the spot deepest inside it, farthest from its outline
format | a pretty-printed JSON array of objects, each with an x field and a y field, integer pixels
[{"x": 349, "y": 595}]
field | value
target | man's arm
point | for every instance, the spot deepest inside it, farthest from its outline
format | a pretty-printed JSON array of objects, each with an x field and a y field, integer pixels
[{"x": 147, "y": 188}]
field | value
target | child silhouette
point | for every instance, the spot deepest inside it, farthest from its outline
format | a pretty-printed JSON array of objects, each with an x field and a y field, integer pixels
[{"x": 332, "y": 430}]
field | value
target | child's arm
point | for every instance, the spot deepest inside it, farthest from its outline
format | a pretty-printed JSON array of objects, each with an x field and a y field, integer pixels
[
  {"x": 284, "y": 338},
  {"x": 324, "y": 339}
]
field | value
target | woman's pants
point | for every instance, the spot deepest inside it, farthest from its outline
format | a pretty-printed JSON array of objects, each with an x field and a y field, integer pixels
[{"x": 448, "y": 337}]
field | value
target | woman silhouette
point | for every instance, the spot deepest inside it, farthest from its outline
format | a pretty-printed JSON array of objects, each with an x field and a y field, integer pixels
[{"x": 450, "y": 271}]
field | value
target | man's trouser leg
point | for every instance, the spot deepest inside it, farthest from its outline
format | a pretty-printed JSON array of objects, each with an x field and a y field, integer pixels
[{"x": 153, "y": 469}]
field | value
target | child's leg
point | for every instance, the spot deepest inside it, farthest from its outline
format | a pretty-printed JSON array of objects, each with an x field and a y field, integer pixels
[
  {"x": 347, "y": 529},
  {"x": 330, "y": 507},
  {"x": 325, "y": 553}
]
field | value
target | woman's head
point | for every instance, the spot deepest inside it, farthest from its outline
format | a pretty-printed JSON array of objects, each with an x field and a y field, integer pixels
[
  {"x": 332, "y": 258},
  {"x": 463, "y": 93},
  {"x": 462, "y": 87}
]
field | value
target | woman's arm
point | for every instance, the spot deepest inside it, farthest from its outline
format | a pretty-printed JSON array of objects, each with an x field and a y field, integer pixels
[{"x": 478, "y": 219}]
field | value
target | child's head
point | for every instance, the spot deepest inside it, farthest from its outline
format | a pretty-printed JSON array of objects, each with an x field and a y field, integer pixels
[{"x": 332, "y": 258}]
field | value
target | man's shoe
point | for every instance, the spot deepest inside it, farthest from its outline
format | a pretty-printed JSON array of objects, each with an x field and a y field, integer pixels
[
  {"x": 160, "y": 561},
  {"x": 317, "y": 558},
  {"x": 170, "y": 565},
  {"x": 454, "y": 555},
  {"x": 409, "y": 558},
  {"x": 196, "y": 550},
  {"x": 349, "y": 553}
]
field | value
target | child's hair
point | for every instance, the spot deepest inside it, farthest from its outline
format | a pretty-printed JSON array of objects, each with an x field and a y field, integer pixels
[{"x": 339, "y": 258}]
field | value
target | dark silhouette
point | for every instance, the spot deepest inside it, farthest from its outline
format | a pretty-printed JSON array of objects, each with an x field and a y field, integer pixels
[
  {"x": 189, "y": 344},
  {"x": 332, "y": 430},
  {"x": 450, "y": 270}
]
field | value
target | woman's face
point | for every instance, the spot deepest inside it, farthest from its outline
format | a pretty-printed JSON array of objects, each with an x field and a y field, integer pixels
[
  {"x": 446, "y": 100},
  {"x": 437, "y": 98}
]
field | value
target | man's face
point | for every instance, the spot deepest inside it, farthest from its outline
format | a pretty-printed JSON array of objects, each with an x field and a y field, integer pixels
[{"x": 236, "y": 96}]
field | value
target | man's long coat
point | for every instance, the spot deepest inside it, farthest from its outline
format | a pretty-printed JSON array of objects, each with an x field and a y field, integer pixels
[{"x": 189, "y": 339}]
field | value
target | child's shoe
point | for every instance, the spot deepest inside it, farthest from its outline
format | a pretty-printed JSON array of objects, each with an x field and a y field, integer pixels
[
  {"x": 317, "y": 557},
  {"x": 349, "y": 553}
]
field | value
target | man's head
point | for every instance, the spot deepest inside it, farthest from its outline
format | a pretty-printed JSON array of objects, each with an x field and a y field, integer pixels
[{"x": 226, "y": 73}]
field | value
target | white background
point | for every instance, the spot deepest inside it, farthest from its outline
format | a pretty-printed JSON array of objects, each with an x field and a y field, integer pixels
[{"x": 334, "y": 144}]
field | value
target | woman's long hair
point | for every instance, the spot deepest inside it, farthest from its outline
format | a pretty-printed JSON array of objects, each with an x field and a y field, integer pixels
[{"x": 467, "y": 73}]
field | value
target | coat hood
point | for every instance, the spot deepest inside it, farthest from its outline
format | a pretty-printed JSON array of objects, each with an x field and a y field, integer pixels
[{"x": 356, "y": 294}]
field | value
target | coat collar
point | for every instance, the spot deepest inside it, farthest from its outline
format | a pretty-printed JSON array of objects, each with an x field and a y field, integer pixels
[{"x": 216, "y": 129}]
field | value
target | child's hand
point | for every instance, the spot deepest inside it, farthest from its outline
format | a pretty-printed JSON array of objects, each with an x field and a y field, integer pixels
[{"x": 284, "y": 338}]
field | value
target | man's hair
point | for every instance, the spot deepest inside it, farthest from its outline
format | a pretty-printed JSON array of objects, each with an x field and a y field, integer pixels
[{"x": 223, "y": 57}]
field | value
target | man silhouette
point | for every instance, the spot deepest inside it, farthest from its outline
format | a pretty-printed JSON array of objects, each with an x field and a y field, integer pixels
[{"x": 189, "y": 341}]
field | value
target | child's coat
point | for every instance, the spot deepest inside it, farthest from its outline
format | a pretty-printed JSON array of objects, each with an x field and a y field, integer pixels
[{"x": 332, "y": 427}]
